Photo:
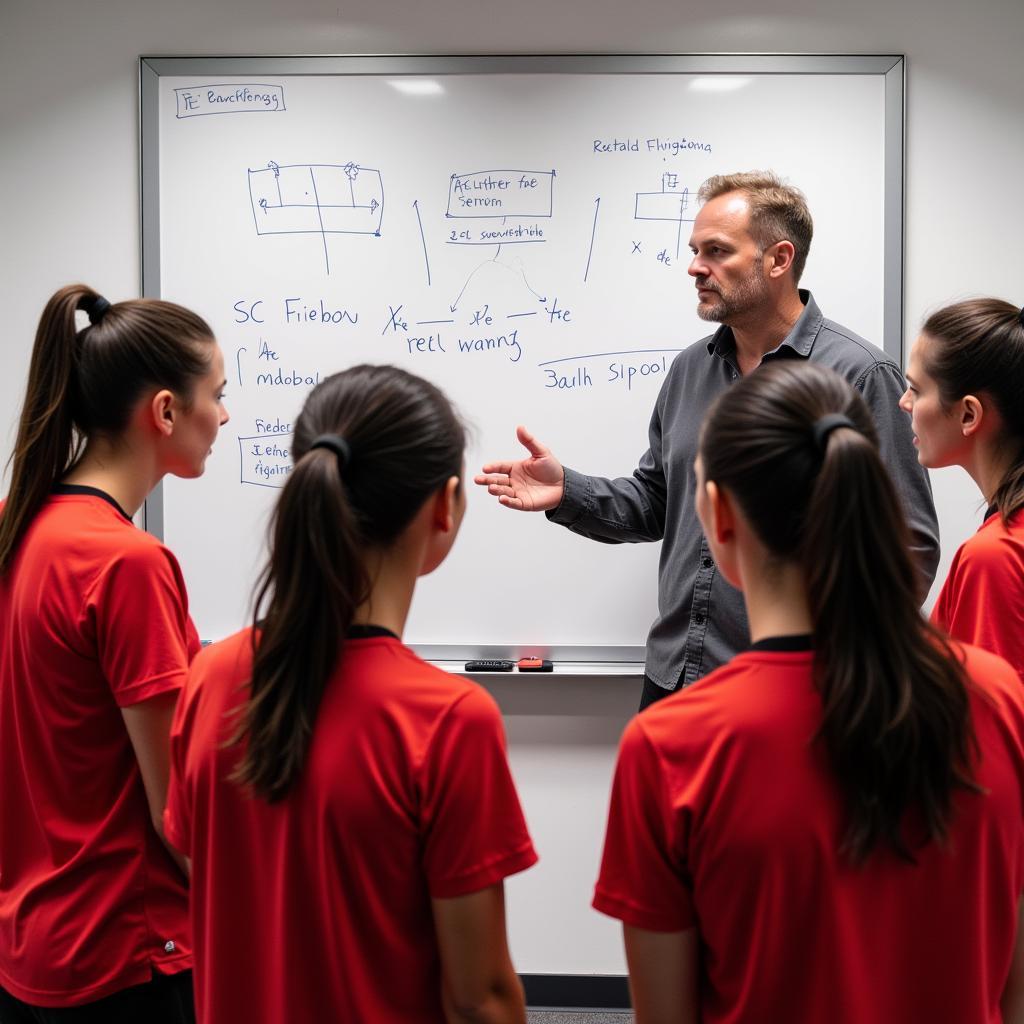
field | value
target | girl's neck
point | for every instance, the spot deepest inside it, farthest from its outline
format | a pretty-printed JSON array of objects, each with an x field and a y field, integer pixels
[
  {"x": 776, "y": 601},
  {"x": 126, "y": 472},
  {"x": 988, "y": 467},
  {"x": 393, "y": 577}
]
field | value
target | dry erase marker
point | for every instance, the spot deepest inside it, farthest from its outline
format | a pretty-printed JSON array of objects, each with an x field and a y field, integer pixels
[
  {"x": 490, "y": 665},
  {"x": 535, "y": 665}
]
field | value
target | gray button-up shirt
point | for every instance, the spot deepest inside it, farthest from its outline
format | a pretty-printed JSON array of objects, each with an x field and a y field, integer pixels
[{"x": 701, "y": 620}]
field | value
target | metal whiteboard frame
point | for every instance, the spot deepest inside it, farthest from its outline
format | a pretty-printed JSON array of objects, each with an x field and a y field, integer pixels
[{"x": 892, "y": 67}]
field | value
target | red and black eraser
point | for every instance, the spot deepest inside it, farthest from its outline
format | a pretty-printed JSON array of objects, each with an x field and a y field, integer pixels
[{"x": 534, "y": 665}]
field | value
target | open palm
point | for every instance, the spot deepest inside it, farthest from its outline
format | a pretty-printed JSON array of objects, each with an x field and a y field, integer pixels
[{"x": 533, "y": 484}]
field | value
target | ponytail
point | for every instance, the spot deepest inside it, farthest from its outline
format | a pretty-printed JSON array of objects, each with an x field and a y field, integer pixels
[
  {"x": 83, "y": 382},
  {"x": 895, "y": 713},
  {"x": 978, "y": 349},
  {"x": 395, "y": 441},
  {"x": 306, "y": 614},
  {"x": 46, "y": 441}
]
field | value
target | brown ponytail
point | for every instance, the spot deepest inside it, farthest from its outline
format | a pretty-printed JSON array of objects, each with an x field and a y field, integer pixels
[
  {"x": 978, "y": 348},
  {"x": 405, "y": 443},
  {"x": 895, "y": 713},
  {"x": 84, "y": 382}
]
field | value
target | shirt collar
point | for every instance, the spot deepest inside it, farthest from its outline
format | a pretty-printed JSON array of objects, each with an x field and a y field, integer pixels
[{"x": 800, "y": 339}]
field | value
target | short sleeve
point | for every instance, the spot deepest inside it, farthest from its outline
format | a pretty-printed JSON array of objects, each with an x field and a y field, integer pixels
[
  {"x": 473, "y": 830},
  {"x": 144, "y": 636},
  {"x": 642, "y": 882},
  {"x": 982, "y": 600}
]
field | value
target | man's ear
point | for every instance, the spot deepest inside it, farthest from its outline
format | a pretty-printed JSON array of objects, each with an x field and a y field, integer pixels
[
  {"x": 163, "y": 410},
  {"x": 723, "y": 518},
  {"x": 972, "y": 414},
  {"x": 780, "y": 258},
  {"x": 446, "y": 504}
]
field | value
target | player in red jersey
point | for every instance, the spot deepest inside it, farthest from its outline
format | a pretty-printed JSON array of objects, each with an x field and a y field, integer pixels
[
  {"x": 965, "y": 396},
  {"x": 348, "y": 808},
  {"x": 95, "y": 640},
  {"x": 831, "y": 826}
]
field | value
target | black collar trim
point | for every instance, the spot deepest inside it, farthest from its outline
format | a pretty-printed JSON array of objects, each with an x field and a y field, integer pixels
[
  {"x": 358, "y": 631},
  {"x": 788, "y": 644},
  {"x": 93, "y": 491}
]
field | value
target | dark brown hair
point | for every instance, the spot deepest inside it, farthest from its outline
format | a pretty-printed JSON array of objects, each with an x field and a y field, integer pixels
[
  {"x": 406, "y": 442},
  {"x": 979, "y": 349},
  {"x": 86, "y": 382},
  {"x": 778, "y": 212},
  {"x": 895, "y": 713}
]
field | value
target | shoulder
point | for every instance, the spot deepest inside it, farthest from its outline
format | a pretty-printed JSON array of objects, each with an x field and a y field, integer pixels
[
  {"x": 751, "y": 695},
  {"x": 756, "y": 698},
  {"x": 134, "y": 557},
  {"x": 852, "y": 356},
  {"x": 217, "y": 675},
  {"x": 459, "y": 701},
  {"x": 420, "y": 694},
  {"x": 994, "y": 680},
  {"x": 230, "y": 658},
  {"x": 995, "y": 549}
]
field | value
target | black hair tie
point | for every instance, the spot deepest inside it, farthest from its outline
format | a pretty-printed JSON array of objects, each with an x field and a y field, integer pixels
[
  {"x": 96, "y": 308},
  {"x": 336, "y": 444},
  {"x": 825, "y": 425}
]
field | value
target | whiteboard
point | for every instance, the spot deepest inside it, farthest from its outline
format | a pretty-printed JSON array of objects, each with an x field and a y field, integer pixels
[{"x": 514, "y": 229}]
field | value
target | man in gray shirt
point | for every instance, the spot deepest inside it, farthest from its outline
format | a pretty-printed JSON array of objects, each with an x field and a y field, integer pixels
[{"x": 750, "y": 241}]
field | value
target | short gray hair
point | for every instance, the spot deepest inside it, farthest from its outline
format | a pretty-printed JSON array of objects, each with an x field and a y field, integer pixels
[{"x": 778, "y": 212}]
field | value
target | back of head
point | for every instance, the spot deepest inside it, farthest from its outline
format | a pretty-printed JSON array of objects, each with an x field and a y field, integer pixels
[
  {"x": 895, "y": 716},
  {"x": 778, "y": 212},
  {"x": 85, "y": 382},
  {"x": 977, "y": 348},
  {"x": 390, "y": 440}
]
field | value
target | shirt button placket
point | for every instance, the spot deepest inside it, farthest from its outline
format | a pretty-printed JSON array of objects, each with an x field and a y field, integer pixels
[{"x": 698, "y": 616}]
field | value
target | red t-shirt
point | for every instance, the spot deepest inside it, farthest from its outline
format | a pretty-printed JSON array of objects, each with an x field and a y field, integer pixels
[
  {"x": 982, "y": 600},
  {"x": 93, "y": 618},
  {"x": 725, "y": 817},
  {"x": 317, "y": 907}
]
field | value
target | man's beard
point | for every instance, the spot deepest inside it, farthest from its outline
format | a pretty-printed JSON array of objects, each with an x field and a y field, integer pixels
[{"x": 748, "y": 295}]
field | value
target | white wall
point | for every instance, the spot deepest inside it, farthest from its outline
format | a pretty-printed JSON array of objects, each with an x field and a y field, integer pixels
[{"x": 68, "y": 136}]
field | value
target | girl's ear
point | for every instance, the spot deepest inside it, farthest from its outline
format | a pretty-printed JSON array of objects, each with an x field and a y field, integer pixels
[
  {"x": 161, "y": 410},
  {"x": 446, "y": 503},
  {"x": 723, "y": 517},
  {"x": 972, "y": 414}
]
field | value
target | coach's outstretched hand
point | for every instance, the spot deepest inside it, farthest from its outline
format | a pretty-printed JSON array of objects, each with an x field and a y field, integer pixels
[{"x": 534, "y": 484}]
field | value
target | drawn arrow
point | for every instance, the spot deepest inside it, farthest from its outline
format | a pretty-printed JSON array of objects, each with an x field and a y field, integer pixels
[
  {"x": 455, "y": 305},
  {"x": 593, "y": 233},
  {"x": 512, "y": 269},
  {"x": 426, "y": 258},
  {"x": 540, "y": 298}
]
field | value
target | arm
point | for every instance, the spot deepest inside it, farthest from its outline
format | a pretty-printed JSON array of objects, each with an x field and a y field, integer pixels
[
  {"x": 662, "y": 975},
  {"x": 881, "y": 388},
  {"x": 1012, "y": 1002},
  {"x": 149, "y": 729},
  {"x": 479, "y": 984},
  {"x": 627, "y": 509}
]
